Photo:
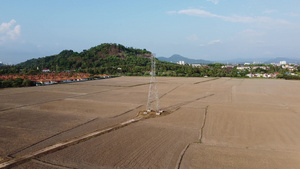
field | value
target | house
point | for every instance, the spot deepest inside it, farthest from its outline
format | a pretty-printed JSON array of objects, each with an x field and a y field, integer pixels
[{"x": 46, "y": 70}]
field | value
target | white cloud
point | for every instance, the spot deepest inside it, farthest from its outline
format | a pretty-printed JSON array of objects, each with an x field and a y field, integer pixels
[
  {"x": 9, "y": 31},
  {"x": 14, "y": 33},
  {"x": 192, "y": 38},
  {"x": 213, "y": 42},
  {"x": 234, "y": 18},
  {"x": 213, "y": 1},
  {"x": 196, "y": 12},
  {"x": 293, "y": 15}
]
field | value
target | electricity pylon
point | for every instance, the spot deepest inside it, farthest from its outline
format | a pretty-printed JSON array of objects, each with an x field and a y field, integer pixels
[{"x": 153, "y": 99}]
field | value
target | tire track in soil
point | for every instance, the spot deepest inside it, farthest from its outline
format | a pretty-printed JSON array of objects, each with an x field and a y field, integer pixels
[
  {"x": 155, "y": 146},
  {"x": 22, "y": 149},
  {"x": 62, "y": 145},
  {"x": 63, "y": 98},
  {"x": 170, "y": 91},
  {"x": 48, "y": 101},
  {"x": 203, "y": 125},
  {"x": 127, "y": 111},
  {"x": 177, "y": 106},
  {"x": 206, "y": 80},
  {"x": 45, "y": 163},
  {"x": 233, "y": 90},
  {"x": 124, "y": 163},
  {"x": 76, "y": 95},
  {"x": 181, "y": 156},
  {"x": 188, "y": 145}
]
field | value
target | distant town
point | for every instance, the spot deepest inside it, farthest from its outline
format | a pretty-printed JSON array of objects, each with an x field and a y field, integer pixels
[
  {"x": 291, "y": 68},
  {"x": 246, "y": 70}
]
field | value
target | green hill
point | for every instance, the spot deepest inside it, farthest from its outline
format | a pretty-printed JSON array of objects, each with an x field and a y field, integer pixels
[
  {"x": 104, "y": 55},
  {"x": 112, "y": 59}
]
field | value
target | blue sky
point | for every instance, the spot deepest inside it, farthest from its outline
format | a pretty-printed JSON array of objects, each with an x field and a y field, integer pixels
[{"x": 198, "y": 29}]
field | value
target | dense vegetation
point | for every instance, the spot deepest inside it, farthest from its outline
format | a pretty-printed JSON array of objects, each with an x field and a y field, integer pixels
[
  {"x": 116, "y": 59},
  {"x": 18, "y": 82},
  {"x": 103, "y": 56},
  {"x": 288, "y": 77}
]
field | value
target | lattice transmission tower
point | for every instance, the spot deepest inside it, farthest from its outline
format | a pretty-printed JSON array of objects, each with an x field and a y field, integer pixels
[{"x": 153, "y": 99}]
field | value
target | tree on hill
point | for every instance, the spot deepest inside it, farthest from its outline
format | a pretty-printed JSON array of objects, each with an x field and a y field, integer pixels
[{"x": 103, "y": 55}]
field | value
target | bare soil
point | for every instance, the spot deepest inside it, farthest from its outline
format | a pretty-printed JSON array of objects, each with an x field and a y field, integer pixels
[{"x": 212, "y": 123}]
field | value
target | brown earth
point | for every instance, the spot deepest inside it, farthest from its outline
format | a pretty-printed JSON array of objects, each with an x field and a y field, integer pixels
[{"x": 214, "y": 123}]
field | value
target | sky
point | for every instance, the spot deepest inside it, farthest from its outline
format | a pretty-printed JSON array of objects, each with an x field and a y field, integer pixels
[{"x": 198, "y": 29}]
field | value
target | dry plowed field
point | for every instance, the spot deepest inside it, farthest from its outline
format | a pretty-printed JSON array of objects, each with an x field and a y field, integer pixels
[{"x": 211, "y": 123}]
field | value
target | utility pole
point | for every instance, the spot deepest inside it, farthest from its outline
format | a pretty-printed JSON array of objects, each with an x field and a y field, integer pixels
[{"x": 153, "y": 99}]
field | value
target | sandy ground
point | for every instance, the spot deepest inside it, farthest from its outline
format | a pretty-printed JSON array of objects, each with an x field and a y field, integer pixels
[
  {"x": 252, "y": 124},
  {"x": 215, "y": 123}
]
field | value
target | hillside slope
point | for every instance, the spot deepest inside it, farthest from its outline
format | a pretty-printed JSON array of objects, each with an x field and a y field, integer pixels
[{"x": 102, "y": 55}]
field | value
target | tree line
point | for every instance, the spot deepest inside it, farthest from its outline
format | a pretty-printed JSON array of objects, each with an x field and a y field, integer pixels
[
  {"x": 116, "y": 59},
  {"x": 18, "y": 82}
]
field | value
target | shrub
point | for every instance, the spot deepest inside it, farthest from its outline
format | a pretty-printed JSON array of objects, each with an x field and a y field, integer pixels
[{"x": 27, "y": 82}]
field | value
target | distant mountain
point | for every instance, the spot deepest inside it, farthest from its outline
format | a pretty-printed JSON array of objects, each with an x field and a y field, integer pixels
[
  {"x": 259, "y": 60},
  {"x": 176, "y": 58},
  {"x": 288, "y": 60},
  {"x": 240, "y": 61}
]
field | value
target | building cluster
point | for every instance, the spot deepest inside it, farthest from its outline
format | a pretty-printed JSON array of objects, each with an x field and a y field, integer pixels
[
  {"x": 53, "y": 78},
  {"x": 265, "y": 75},
  {"x": 252, "y": 67},
  {"x": 181, "y": 62},
  {"x": 290, "y": 67}
]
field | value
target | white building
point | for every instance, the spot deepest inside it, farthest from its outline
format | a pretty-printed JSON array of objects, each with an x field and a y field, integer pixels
[
  {"x": 243, "y": 67},
  {"x": 196, "y": 65},
  {"x": 180, "y": 62},
  {"x": 282, "y": 62}
]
